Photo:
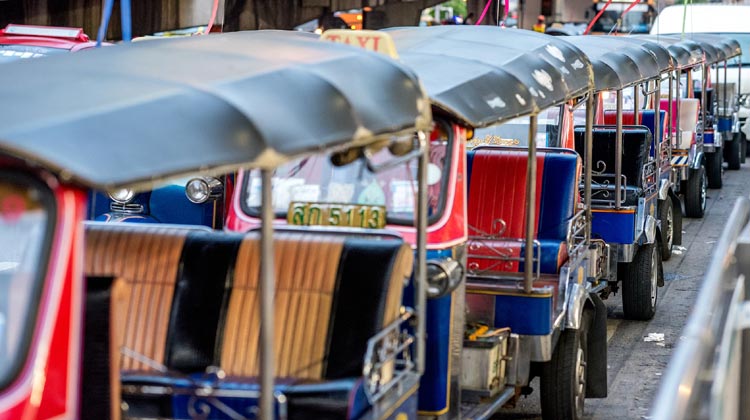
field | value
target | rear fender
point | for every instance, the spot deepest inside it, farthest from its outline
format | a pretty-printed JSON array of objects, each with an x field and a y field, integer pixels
[{"x": 596, "y": 363}]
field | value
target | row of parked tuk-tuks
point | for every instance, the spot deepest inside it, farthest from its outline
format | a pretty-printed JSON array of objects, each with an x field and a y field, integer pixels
[{"x": 311, "y": 230}]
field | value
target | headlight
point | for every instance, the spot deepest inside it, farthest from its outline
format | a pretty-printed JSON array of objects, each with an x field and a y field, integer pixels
[
  {"x": 442, "y": 277},
  {"x": 200, "y": 190},
  {"x": 122, "y": 196}
]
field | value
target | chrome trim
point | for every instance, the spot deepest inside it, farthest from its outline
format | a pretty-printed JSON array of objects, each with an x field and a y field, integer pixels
[
  {"x": 388, "y": 361},
  {"x": 625, "y": 252},
  {"x": 126, "y": 208},
  {"x": 650, "y": 229},
  {"x": 576, "y": 299},
  {"x": 664, "y": 189},
  {"x": 537, "y": 347}
]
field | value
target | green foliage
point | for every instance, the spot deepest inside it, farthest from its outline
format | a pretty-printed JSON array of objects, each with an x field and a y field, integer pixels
[{"x": 459, "y": 7}]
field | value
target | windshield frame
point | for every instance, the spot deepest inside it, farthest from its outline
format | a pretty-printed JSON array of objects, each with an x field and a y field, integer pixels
[
  {"x": 49, "y": 204},
  {"x": 433, "y": 218}
]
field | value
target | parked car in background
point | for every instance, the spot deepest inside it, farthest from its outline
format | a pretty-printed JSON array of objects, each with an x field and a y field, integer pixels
[{"x": 27, "y": 41}]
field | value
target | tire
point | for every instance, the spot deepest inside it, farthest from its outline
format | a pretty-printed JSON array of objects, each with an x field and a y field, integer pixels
[
  {"x": 640, "y": 284},
  {"x": 695, "y": 193},
  {"x": 733, "y": 151},
  {"x": 714, "y": 163},
  {"x": 563, "y": 379},
  {"x": 743, "y": 146},
  {"x": 666, "y": 217}
]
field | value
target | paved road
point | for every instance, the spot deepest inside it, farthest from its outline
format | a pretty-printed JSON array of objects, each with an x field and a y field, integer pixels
[{"x": 636, "y": 366}]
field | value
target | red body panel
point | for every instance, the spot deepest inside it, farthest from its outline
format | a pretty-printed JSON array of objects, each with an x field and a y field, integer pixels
[{"x": 47, "y": 386}]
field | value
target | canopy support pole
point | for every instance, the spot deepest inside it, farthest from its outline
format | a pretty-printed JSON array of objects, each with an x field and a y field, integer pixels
[
  {"x": 618, "y": 151},
  {"x": 528, "y": 268},
  {"x": 636, "y": 107},
  {"x": 267, "y": 286},
  {"x": 704, "y": 97},
  {"x": 678, "y": 95},
  {"x": 589, "y": 159},
  {"x": 658, "y": 129},
  {"x": 421, "y": 269}
]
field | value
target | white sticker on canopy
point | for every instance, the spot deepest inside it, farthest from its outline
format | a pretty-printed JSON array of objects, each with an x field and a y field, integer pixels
[
  {"x": 544, "y": 79},
  {"x": 555, "y": 52}
]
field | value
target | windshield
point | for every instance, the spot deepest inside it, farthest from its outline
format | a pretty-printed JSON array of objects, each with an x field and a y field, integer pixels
[
  {"x": 10, "y": 52},
  {"x": 516, "y": 131},
  {"x": 25, "y": 225},
  {"x": 638, "y": 20},
  {"x": 315, "y": 180}
]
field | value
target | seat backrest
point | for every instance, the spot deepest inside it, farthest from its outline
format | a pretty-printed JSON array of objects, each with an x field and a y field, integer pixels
[
  {"x": 148, "y": 260},
  {"x": 332, "y": 294},
  {"x": 497, "y": 191},
  {"x": 647, "y": 119},
  {"x": 636, "y": 145},
  {"x": 192, "y": 297}
]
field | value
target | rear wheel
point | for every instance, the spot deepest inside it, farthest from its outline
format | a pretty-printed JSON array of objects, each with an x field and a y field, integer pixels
[
  {"x": 695, "y": 193},
  {"x": 666, "y": 217},
  {"x": 563, "y": 378},
  {"x": 713, "y": 168},
  {"x": 640, "y": 284},
  {"x": 743, "y": 146},
  {"x": 733, "y": 151}
]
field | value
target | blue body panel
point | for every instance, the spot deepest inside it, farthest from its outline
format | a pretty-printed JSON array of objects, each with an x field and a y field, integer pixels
[
  {"x": 524, "y": 315},
  {"x": 162, "y": 205},
  {"x": 708, "y": 137},
  {"x": 724, "y": 123},
  {"x": 559, "y": 190},
  {"x": 433, "y": 386},
  {"x": 613, "y": 227}
]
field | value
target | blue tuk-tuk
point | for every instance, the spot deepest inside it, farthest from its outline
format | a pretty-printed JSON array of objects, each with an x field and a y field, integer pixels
[
  {"x": 525, "y": 312},
  {"x": 626, "y": 171}
]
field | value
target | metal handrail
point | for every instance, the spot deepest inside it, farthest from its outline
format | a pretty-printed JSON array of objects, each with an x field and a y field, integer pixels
[{"x": 685, "y": 388}]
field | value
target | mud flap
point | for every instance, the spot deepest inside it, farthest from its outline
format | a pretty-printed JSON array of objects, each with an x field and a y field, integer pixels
[
  {"x": 677, "y": 214},
  {"x": 596, "y": 363}
]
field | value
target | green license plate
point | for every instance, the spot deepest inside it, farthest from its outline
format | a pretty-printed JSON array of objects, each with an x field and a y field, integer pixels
[{"x": 327, "y": 214}]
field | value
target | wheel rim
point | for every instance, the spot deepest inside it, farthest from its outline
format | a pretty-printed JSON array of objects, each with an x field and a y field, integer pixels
[
  {"x": 704, "y": 181},
  {"x": 668, "y": 230},
  {"x": 580, "y": 386},
  {"x": 654, "y": 276}
]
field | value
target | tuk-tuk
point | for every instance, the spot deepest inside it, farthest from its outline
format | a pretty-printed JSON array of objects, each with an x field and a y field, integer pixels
[
  {"x": 31, "y": 41},
  {"x": 688, "y": 156},
  {"x": 719, "y": 106},
  {"x": 525, "y": 312},
  {"x": 708, "y": 375},
  {"x": 187, "y": 322},
  {"x": 626, "y": 183}
]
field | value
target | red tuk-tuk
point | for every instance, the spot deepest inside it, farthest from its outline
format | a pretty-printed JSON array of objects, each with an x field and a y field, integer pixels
[{"x": 186, "y": 322}]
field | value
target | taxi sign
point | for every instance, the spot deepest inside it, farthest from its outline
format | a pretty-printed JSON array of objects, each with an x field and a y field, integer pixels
[
  {"x": 50, "y": 31},
  {"x": 370, "y": 40}
]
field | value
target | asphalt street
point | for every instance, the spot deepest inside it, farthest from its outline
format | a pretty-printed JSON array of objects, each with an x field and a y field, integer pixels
[{"x": 636, "y": 366}]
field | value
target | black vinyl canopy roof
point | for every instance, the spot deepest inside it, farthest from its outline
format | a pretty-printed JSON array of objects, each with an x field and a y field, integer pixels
[
  {"x": 726, "y": 47},
  {"x": 485, "y": 75},
  {"x": 660, "y": 53},
  {"x": 136, "y": 114},
  {"x": 685, "y": 53},
  {"x": 617, "y": 63}
]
